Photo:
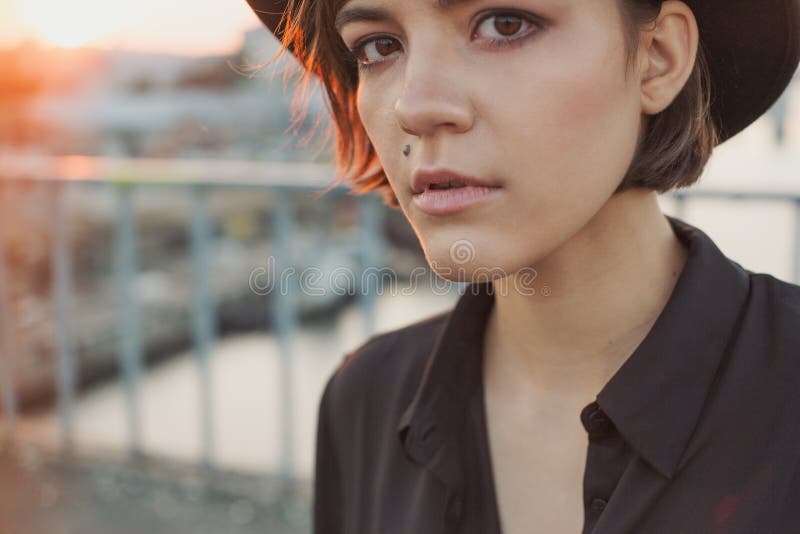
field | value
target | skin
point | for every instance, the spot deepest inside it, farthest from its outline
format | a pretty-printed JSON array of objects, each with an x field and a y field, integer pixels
[{"x": 555, "y": 121}]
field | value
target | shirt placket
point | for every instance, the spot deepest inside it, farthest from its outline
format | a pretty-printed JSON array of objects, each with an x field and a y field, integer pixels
[{"x": 606, "y": 457}]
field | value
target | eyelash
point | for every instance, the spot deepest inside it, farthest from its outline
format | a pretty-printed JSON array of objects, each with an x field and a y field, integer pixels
[{"x": 360, "y": 45}]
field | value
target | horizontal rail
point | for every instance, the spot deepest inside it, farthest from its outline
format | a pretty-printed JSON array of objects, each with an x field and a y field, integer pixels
[{"x": 281, "y": 182}]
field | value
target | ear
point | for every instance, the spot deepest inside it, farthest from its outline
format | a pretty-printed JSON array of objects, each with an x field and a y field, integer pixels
[{"x": 667, "y": 55}]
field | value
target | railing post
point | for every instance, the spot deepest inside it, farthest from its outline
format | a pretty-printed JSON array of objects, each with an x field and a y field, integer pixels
[
  {"x": 62, "y": 285},
  {"x": 6, "y": 336},
  {"x": 370, "y": 238},
  {"x": 680, "y": 205},
  {"x": 778, "y": 113},
  {"x": 130, "y": 351},
  {"x": 203, "y": 315},
  {"x": 283, "y": 313}
]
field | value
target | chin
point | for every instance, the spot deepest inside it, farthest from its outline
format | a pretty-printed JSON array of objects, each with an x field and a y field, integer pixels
[
  {"x": 474, "y": 257},
  {"x": 459, "y": 264}
]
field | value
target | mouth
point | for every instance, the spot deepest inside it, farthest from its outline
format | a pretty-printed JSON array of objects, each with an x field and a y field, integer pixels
[
  {"x": 443, "y": 179},
  {"x": 441, "y": 191},
  {"x": 447, "y": 199},
  {"x": 447, "y": 185}
]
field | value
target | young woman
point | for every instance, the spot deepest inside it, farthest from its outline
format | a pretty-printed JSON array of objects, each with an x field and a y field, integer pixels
[{"x": 608, "y": 369}]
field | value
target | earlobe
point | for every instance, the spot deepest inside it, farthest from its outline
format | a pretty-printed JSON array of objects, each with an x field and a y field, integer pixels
[{"x": 670, "y": 50}]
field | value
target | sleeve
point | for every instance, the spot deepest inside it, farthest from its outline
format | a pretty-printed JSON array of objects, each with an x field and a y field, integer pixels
[{"x": 328, "y": 505}]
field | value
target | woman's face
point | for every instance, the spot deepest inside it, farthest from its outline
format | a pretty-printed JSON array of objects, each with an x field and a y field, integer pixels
[{"x": 545, "y": 113}]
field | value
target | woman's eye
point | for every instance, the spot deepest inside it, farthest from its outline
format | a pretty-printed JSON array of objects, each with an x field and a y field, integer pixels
[
  {"x": 501, "y": 29},
  {"x": 504, "y": 27},
  {"x": 374, "y": 50}
]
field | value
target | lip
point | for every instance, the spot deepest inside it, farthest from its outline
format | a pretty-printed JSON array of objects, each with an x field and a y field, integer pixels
[
  {"x": 452, "y": 200},
  {"x": 423, "y": 178},
  {"x": 447, "y": 201}
]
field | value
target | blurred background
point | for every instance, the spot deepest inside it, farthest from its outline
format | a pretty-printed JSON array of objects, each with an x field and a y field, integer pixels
[{"x": 154, "y": 373}]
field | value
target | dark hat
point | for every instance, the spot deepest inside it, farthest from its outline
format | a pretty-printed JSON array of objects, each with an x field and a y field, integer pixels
[{"x": 753, "y": 48}]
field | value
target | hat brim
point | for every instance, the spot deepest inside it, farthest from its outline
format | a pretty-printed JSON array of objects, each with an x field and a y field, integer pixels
[{"x": 753, "y": 49}]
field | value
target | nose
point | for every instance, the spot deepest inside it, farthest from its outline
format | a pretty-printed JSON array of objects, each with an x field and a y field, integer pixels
[{"x": 433, "y": 96}]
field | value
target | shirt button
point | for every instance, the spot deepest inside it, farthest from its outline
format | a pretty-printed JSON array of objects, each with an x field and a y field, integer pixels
[
  {"x": 598, "y": 505},
  {"x": 595, "y": 421}
]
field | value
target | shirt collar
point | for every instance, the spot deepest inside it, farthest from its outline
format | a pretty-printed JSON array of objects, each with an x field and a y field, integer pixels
[{"x": 654, "y": 399}]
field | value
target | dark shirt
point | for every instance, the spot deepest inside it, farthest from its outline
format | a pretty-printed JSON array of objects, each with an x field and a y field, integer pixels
[{"x": 697, "y": 432}]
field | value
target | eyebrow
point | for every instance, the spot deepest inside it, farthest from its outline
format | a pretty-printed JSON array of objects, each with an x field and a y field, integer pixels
[{"x": 356, "y": 14}]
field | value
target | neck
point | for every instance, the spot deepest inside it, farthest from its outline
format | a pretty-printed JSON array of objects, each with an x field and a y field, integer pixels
[{"x": 607, "y": 285}]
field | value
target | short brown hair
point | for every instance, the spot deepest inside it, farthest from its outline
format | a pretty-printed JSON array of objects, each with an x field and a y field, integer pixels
[{"x": 673, "y": 149}]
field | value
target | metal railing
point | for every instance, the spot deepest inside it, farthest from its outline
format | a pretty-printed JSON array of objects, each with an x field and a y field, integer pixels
[
  {"x": 199, "y": 181},
  {"x": 282, "y": 180}
]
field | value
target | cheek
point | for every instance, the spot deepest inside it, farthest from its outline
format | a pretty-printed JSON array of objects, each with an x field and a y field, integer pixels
[
  {"x": 566, "y": 136},
  {"x": 382, "y": 130},
  {"x": 593, "y": 133},
  {"x": 593, "y": 116},
  {"x": 580, "y": 122},
  {"x": 367, "y": 114},
  {"x": 364, "y": 106}
]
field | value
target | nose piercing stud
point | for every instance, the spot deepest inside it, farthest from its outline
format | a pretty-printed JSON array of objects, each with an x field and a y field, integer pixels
[{"x": 407, "y": 150}]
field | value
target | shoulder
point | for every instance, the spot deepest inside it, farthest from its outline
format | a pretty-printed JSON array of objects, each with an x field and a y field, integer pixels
[
  {"x": 777, "y": 303},
  {"x": 387, "y": 367},
  {"x": 760, "y": 382},
  {"x": 404, "y": 348},
  {"x": 767, "y": 338}
]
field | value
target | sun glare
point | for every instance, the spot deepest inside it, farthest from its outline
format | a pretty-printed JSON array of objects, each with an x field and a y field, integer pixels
[
  {"x": 69, "y": 24},
  {"x": 159, "y": 26}
]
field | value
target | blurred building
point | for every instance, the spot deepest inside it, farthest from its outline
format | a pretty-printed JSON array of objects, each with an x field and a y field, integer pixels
[{"x": 132, "y": 104}]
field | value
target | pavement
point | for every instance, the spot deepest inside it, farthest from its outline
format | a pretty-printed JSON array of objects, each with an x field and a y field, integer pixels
[{"x": 45, "y": 492}]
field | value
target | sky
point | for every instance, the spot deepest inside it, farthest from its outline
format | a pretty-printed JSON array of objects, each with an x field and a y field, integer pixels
[{"x": 191, "y": 27}]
